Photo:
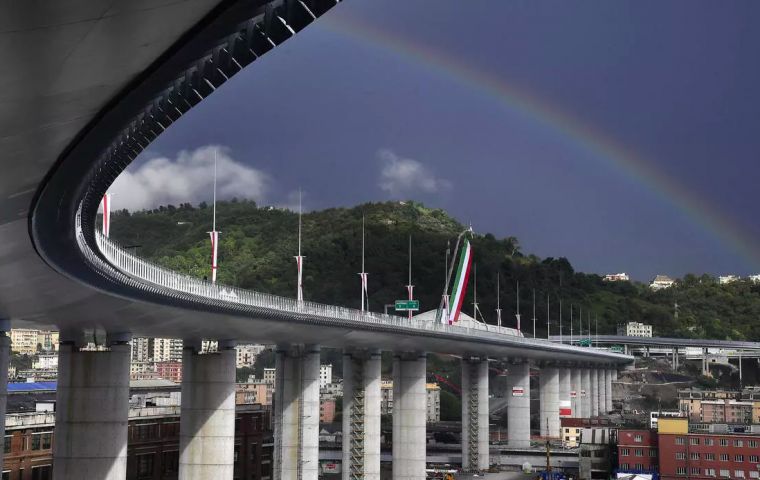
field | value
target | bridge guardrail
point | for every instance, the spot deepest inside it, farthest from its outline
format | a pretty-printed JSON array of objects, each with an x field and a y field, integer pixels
[{"x": 143, "y": 270}]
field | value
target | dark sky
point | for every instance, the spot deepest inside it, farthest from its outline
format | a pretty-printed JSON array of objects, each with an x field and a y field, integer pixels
[{"x": 622, "y": 135}]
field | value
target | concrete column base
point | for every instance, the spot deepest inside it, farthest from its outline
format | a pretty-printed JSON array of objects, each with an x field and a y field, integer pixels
[
  {"x": 549, "y": 402},
  {"x": 409, "y": 416},
  {"x": 608, "y": 390},
  {"x": 586, "y": 391},
  {"x": 361, "y": 415},
  {"x": 207, "y": 416},
  {"x": 475, "y": 428},
  {"x": 296, "y": 414},
  {"x": 575, "y": 392},
  {"x": 92, "y": 413},
  {"x": 602, "y": 397},
  {"x": 594, "y": 391},
  {"x": 518, "y": 405},
  {"x": 565, "y": 381}
]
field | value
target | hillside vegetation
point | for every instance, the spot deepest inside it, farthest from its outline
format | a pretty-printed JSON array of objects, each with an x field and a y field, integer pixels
[{"x": 257, "y": 246}]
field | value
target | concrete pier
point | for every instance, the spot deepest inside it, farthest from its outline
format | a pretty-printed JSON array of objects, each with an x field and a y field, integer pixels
[
  {"x": 92, "y": 412},
  {"x": 207, "y": 414},
  {"x": 586, "y": 393},
  {"x": 549, "y": 401},
  {"x": 564, "y": 388},
  {"x": 475, "y": 455},
  {"x": 575, "y": 392},
  {"x": 602, "y": 382},
  {"x": 5, "y": 353},
  {"x": 518, "y": 405},
  {"x": 608, "y": 389},
  {"x": 296, "y": 410},
  {"x": 594, "y": 392},
  {"x": 361, "y": 415},
  {"x": 409, "y": 416}
]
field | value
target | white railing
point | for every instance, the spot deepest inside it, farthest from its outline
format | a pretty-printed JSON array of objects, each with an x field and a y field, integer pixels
[{"x": 124, "y": 262}]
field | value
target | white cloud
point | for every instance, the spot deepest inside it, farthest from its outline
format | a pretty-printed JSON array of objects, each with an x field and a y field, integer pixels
[
  {"x": 404, "y": 176},
  {"x": 188, "y": 178}
]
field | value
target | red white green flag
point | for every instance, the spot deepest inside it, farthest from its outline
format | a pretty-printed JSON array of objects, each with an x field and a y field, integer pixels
[{"x": 460, "y": 281}]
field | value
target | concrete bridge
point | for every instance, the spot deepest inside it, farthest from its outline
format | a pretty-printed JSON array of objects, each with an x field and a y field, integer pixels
[{"x": 85, "y": 89}]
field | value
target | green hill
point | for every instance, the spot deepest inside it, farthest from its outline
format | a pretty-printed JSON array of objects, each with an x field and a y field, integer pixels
[{"x": 257, "y": 247}]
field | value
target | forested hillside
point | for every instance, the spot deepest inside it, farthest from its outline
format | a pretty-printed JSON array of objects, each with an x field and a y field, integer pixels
[{"x": 257, "y": 246}]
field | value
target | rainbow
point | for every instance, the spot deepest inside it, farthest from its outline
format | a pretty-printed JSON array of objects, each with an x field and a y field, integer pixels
[{"x": 707, "y": 217}]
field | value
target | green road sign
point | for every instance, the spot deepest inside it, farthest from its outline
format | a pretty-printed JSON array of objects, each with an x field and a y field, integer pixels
[{"x": 407, "y": 305}]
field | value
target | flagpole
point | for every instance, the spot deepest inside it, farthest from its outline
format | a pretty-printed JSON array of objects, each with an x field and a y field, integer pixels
[
  {"x": 517, "y": 315},
  {"x": 410, "y": 287},
  {"x": 498, "y": 301},
  {"x": 571, "y": 324},
  {"x": 560, "y": 319},
  {"x": 214, "y": 234},
  {"x": 547, "y": 316},
  {"x": 299, "y": 257},
  {"x": 534, "y": 313},
  {"x": 363, "y": 275}
]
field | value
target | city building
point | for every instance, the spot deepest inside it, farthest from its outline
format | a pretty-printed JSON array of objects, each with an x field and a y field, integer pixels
[
  {"x": 616, "y": 277},
  {"x": 637, "y": 450},
  {"x": 635, "y": 329},
  {"x": 755, "y": 278},
  {"x": 140, "y": 351},
  {"x": 269, "y": 375},
  {"x": 169, "y": 371},
  {"x": 245, "y": 355},
  {"x": 29, "y": 342},
  {"x": 45, "y": 361},
  {"x": 720, "y": 406},
  {"x": 327, "y": 411},
  {"x": 142, "y": 370},
  {"x": 331, "y": 390},
  {"x": 655, "y": 416},
  {"x": 166, "y": 350},
  {"x": 433, "y": 408},
  {"x": 724, "y": 279},
  {"x": 684, "y": 454},
  {"x": 660, "y": 282},
  {"x": 153, "y": 438},
  {"x": 254, "y": 392},
  {"x": 325, "y": 375},
  {"x": 576, "y": 431}
]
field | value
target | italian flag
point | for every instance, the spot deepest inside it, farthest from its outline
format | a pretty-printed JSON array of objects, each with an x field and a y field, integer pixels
[{"x": 460, "y": 282}]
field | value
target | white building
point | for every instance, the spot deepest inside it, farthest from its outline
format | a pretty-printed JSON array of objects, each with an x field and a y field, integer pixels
[
  {"x": 724, "y": 279},
  {"x": 325, "y": 375},
  {"x": 245, "y": 355},
  {"x": 635, "y": 329},
  {"x": 46, "y": 361},
  {"x": 660, "y": 282},
  {"x": 140, "y": 349},
  {"x": 433, "y": 400},
  {"x": 167, "y": 350},
  {"x": 617, "y": 277},
  {"x": 269, "y": 375}
]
